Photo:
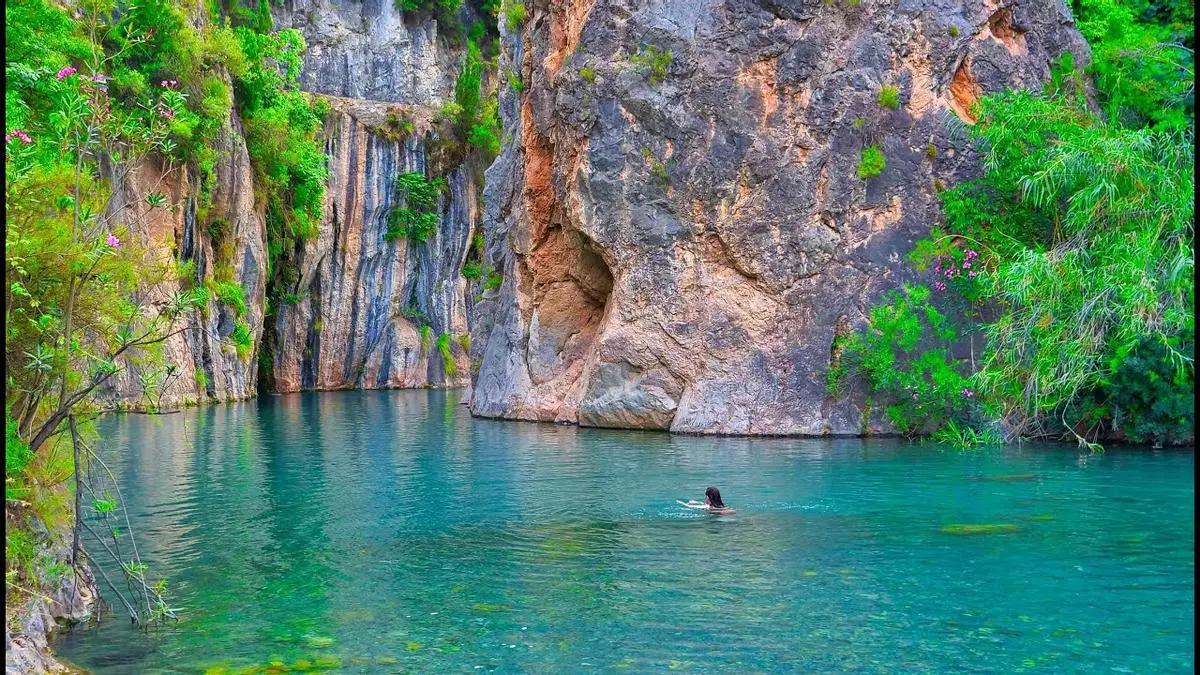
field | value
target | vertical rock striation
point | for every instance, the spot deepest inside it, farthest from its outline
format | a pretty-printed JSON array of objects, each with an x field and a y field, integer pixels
[
  {"x": 354, "y": 318},
  {"x": 676, "y": 211},
  {"x": 205, "y": 366}
]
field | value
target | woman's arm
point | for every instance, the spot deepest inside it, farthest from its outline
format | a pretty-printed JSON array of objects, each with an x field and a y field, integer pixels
[{"x": 692, "y": 504}]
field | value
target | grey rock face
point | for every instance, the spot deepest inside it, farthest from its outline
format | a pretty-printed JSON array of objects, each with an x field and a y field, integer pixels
[
  {"x": 68, "y": 600},
  {"x": 680, "y": 246},
  {"x": 356, "y": 322},
  {"x": 368, "y": 49},
  {"x": 349, "y": 327},
  {"x": 361, "y": 300}
]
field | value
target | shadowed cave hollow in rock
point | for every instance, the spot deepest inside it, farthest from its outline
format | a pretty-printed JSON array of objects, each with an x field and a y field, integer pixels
[{"x": 571, "y": 287}]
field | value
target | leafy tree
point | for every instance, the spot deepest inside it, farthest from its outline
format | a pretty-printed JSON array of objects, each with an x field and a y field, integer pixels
[
  {"x": 1074, "y": 252},
  {"x": 1144, "y": 70},
  {"x": 77, "y": 311},
  {"x": 1085, "y": 229}
]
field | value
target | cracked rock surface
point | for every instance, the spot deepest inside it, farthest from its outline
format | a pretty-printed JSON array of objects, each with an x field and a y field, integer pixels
[{"x": 681, "y": 239}]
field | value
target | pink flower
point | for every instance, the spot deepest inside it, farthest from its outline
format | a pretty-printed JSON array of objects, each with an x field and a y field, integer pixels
[
  {"x": 968, "y": 393},
  {"x": 966, "y": 265},
  {"x": 938, "y": 269},
  {"x": 972, "y": 254},
  {"x": 17, "y": 133},
  {"x": 112, "y": 241},
  {"x": 939, "y": 285},
  {"x": 66, "y": 72},
  {"x": 971, "y": 274},
  {"x": 914, "y": 395},
  {"x": 949, "y": 273}
]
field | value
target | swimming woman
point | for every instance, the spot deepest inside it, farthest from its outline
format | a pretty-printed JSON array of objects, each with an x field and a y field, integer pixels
[{"x": 712, "y": 502}]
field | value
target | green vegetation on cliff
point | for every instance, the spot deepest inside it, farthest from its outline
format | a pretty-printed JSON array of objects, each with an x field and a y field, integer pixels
[
  {"x": 91, "y": 96},
  {"x": 94, "y": 92},
  {"x": 418, "y": 218},
  {"x": 282, "y": 128},
  {"x": 1066, "y": 270}
]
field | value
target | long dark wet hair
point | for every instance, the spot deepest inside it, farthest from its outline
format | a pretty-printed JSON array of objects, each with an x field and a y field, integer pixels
[{"x": 713, "y": 495}]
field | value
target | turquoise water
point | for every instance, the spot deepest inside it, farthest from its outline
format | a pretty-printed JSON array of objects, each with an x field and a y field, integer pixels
[{"x": 391, "y": 532}]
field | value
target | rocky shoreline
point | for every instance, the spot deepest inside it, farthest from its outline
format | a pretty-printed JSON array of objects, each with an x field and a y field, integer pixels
[{"x": 71, "y": 599}]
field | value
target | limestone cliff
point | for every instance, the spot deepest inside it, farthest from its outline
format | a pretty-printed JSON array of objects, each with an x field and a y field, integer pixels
[
  {"x": 66, "y": 599},
  {"x": 200, "y": 363},
  {"x": 676, "y": 211},
  {"x": 360, "y": 300},
  {"x": 355, "y": 316},
  {"x": 353, "y": 319}
]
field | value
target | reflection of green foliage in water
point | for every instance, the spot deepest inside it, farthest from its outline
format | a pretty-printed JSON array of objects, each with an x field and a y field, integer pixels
[{"x": 516, "y": 527}]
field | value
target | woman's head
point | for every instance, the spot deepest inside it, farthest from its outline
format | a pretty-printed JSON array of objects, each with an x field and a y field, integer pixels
[{"x": 713, "y": 496}]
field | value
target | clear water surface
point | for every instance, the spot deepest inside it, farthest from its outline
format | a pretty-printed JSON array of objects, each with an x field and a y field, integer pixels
[{"x": 391, "y": 532}]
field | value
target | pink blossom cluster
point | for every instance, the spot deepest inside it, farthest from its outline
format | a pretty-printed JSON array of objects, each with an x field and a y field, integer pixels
[
  {"x": 17, "y": 133},
  {"x": 112, "y": 241},
  {"x": 66, "y": 72},
  {"x": 95, "y": 87},
  {"x": 170, "y": 84},
  {"x": 968, "y": 393},
  {"x": 166, "y": 111},
  {"x": 950, "y": 270}
]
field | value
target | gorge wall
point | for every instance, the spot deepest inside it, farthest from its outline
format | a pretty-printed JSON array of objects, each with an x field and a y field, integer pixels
[
  {"x": 674, "y": 232},
  {"x": 676, "y": 211},
  {"x": 353, "y": 325},
  {"x": 348, "y": 328},
  {"x": 354, "y": 316},
  {"x": 198, "y": 361}
]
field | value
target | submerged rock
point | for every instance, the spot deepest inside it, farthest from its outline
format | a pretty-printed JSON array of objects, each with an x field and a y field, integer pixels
[
  {"x": 1007, "y": 478},
  {"x": 995, "y": 528}
]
